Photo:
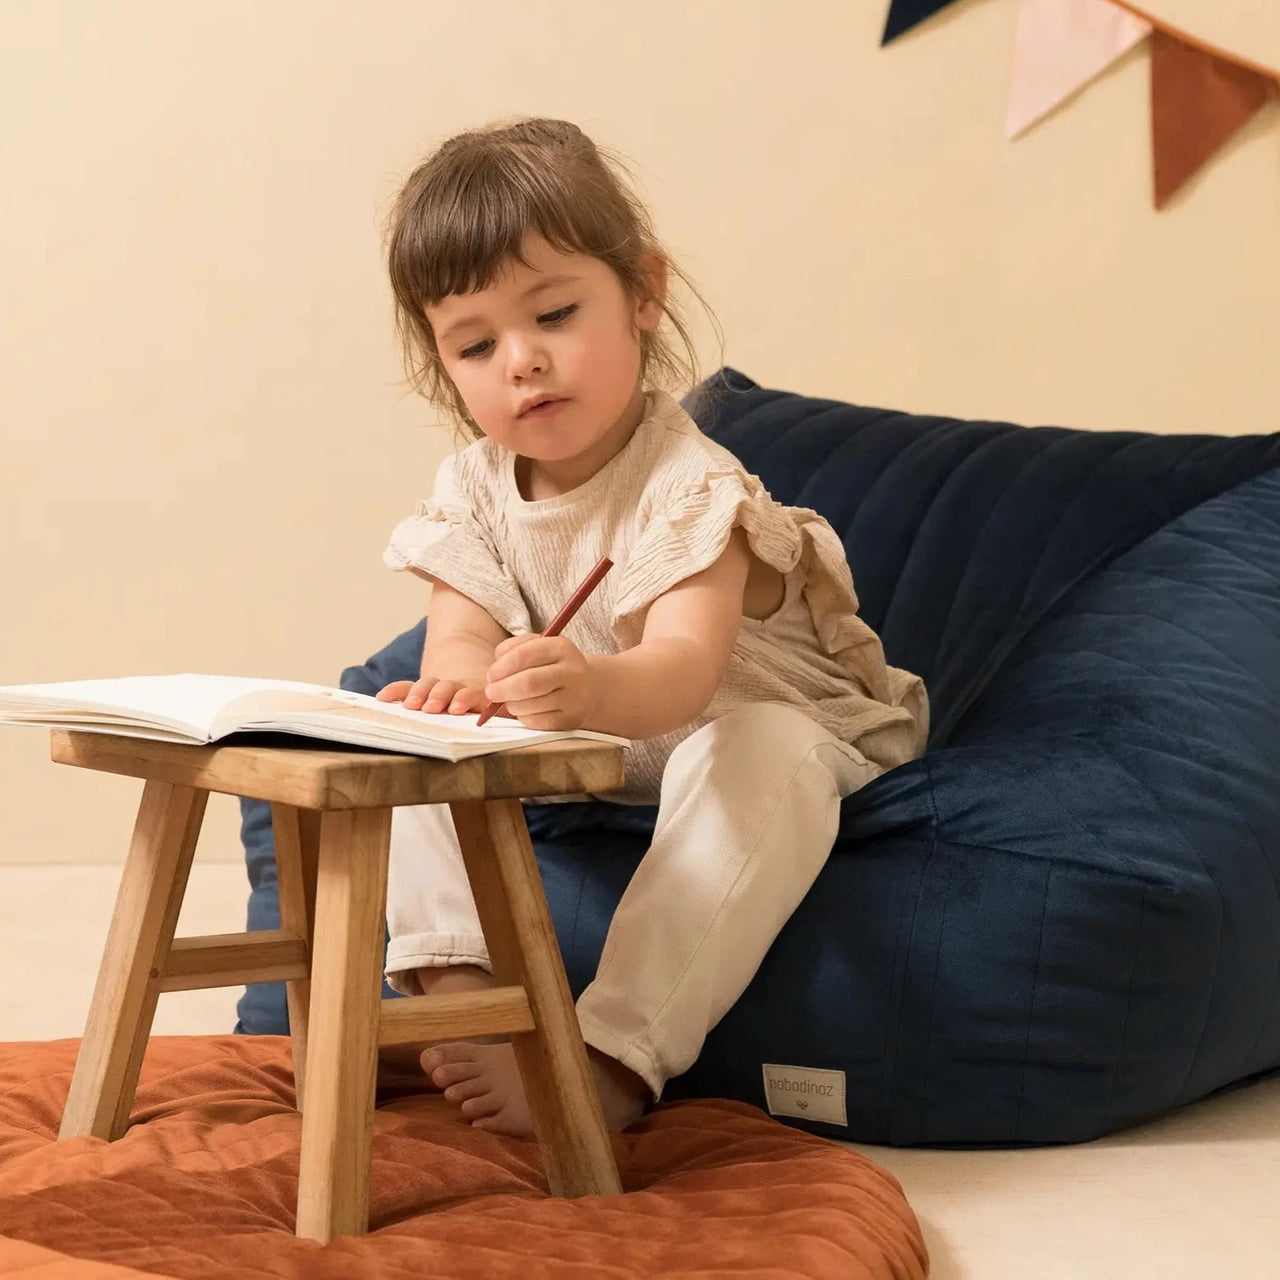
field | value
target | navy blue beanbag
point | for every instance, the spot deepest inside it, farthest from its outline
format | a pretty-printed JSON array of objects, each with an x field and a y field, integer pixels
[{"x": 1065, "y": 917}]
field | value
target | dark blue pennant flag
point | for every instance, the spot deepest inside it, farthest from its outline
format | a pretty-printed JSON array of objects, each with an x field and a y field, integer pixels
[{"x": 905, "y": 14}]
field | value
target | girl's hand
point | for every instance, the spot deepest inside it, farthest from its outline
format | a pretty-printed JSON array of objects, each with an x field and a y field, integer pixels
[
  {"x": 435, "y": 696},
  {"x": 546, "y": 682}
]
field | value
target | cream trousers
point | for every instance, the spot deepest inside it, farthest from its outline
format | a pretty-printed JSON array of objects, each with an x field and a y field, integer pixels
[{"x": 746, "y": 818}]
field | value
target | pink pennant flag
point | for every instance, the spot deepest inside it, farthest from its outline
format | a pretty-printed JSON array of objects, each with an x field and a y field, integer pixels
[{"x": 1060, "y": 46}]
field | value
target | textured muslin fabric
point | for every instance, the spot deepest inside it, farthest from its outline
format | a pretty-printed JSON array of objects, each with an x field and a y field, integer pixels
[
  {"x": 748, "y": 811},
  {"x": 663, "y": 509}
]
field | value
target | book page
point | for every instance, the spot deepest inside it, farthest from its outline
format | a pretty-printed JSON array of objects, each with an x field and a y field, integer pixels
[
  {"x": 206, "y": 708},
  {"x": 344, "y": 716},
  {"x": 189, "y": 703}
]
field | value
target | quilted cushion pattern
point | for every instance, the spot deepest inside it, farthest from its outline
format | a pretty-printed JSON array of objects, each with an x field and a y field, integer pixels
[
  {"x": 1139, "y": 727},
  {"x": 1061, "y": 920},
  {"x": 203, "y": 1186},
  {"x": 961, "y": 534}
]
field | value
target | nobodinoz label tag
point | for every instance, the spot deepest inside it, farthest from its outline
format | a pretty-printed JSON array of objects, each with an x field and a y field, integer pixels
[{"x": 805, "y": 1092}]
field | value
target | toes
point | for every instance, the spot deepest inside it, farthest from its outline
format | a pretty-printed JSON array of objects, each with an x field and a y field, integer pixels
[
  {"x": 449, "y": 1054},
  {"x": 454, "y": 1073},
  {"x": 476, "y": 1109},
  {"x": 509, "y": 1118},
  {"x": 473, "y": 1088}
]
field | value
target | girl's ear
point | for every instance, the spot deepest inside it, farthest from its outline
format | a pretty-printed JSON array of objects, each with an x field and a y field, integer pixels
[{"x": 649, "y": 307}]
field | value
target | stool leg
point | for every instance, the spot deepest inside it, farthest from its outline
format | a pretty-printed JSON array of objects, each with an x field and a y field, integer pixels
[
  {"x": 296, "y": 834},
  {"x": 342, "y": 1031},
  {"x": 124, "y": 1000},
  {"x": 523, "y": 950}
]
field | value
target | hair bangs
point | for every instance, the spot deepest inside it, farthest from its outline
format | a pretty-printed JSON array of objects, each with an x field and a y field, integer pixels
[{"x": 480, "y": 221}]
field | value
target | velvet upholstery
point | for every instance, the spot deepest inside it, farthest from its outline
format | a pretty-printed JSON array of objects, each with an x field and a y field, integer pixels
[{"x": 1065, "y": 917}]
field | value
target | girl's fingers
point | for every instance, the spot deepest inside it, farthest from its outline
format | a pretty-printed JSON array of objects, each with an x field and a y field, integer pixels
[
  {"x": 544, "y": 705},
  {"x": 533, "y": 652},
  {"x": 417, "y": 691},
  {"x": 533, "y": 683},
  {"x": 514, "y": 642},
  {"x": 438, "y": 698},
  {"x": 434, "y": 696},
  {"x": 466, "y": 700},
  {"x": 430, "y": 695}
]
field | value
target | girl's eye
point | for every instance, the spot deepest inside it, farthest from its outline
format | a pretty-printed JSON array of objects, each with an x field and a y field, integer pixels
[{"x": 558, "y": 316}]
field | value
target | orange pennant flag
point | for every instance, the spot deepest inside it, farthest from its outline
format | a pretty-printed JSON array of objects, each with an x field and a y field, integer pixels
[{"x": 1199, "y": 101}]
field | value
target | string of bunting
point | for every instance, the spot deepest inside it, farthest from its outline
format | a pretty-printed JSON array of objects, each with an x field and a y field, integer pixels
[{"x": 1201, "y": 96}]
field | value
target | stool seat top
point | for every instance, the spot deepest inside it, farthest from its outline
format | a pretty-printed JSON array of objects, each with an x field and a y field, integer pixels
[{"x": 293, "y": 771}]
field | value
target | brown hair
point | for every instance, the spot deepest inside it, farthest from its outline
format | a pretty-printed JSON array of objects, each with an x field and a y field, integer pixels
[{"x": 466, "y": 210}]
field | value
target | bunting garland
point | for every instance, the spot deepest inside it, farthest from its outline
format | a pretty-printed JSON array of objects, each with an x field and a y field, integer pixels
[
  {"x": 1200, "y": 96},
  {"x": 1059, "y": 48},
  {"x": 1198, "y": 103},
  {"x": 905, "y": 14}
]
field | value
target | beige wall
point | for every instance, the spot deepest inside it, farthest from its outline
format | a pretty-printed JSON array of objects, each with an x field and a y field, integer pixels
[{"x": 203, "y": 440}]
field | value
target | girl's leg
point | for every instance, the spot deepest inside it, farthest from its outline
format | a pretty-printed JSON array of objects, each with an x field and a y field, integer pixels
[
  {"x": 748, "y": 812},
  {"x": 435, "y": 944},
  {"x": 431, "y": 915},
  {"x": 747, "y": 815}
]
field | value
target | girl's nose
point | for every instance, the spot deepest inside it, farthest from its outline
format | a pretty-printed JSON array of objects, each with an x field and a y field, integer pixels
[{"x": 526, "y": 358}]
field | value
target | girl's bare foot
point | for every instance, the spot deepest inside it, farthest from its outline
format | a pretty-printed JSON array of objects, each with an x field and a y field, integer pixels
[
  {"x": 400, "y": 1065},
  {"x": 483, "y": 1082}
]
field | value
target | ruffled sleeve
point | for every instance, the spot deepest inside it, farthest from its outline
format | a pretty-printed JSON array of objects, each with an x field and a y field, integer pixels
[
  {"x": 688, "y": 530},
  {"x": 444, "y": 539},
  {"x": 842, "y": 633}
]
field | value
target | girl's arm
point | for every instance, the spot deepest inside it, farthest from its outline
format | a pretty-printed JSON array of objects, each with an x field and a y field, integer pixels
[
  {"x": 668, "y": 679},
  {"x": 461, "y": 638}
]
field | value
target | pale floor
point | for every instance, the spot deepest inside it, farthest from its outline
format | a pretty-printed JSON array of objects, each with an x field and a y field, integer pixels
[{"x": 1196, "y": 1194}]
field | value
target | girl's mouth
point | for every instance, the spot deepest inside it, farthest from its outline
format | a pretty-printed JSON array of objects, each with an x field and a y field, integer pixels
[{"x": 543, "y": 409}]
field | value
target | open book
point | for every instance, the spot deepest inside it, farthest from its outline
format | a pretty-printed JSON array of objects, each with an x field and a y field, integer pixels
[{"x": 200, "y": 709}]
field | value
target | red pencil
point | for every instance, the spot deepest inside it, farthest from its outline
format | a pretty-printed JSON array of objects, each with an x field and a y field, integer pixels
[{"x": 562, "y": 619}]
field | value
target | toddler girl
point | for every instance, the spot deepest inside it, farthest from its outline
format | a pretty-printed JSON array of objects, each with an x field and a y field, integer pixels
[{"x": 725, "y": 642}]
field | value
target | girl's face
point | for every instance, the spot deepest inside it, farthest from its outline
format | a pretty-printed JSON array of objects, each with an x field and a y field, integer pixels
[{"x": 562, "y": 334}]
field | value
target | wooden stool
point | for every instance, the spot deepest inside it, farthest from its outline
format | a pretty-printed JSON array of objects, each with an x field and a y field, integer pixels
[{"x": 331, "y": 815}]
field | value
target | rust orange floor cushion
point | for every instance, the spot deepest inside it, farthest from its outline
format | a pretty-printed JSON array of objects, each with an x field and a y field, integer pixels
[{"x": 203, "y": 1185}]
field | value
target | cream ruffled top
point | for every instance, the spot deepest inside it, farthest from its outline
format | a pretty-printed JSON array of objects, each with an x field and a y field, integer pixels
[{"x": 662, "y": 509}]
